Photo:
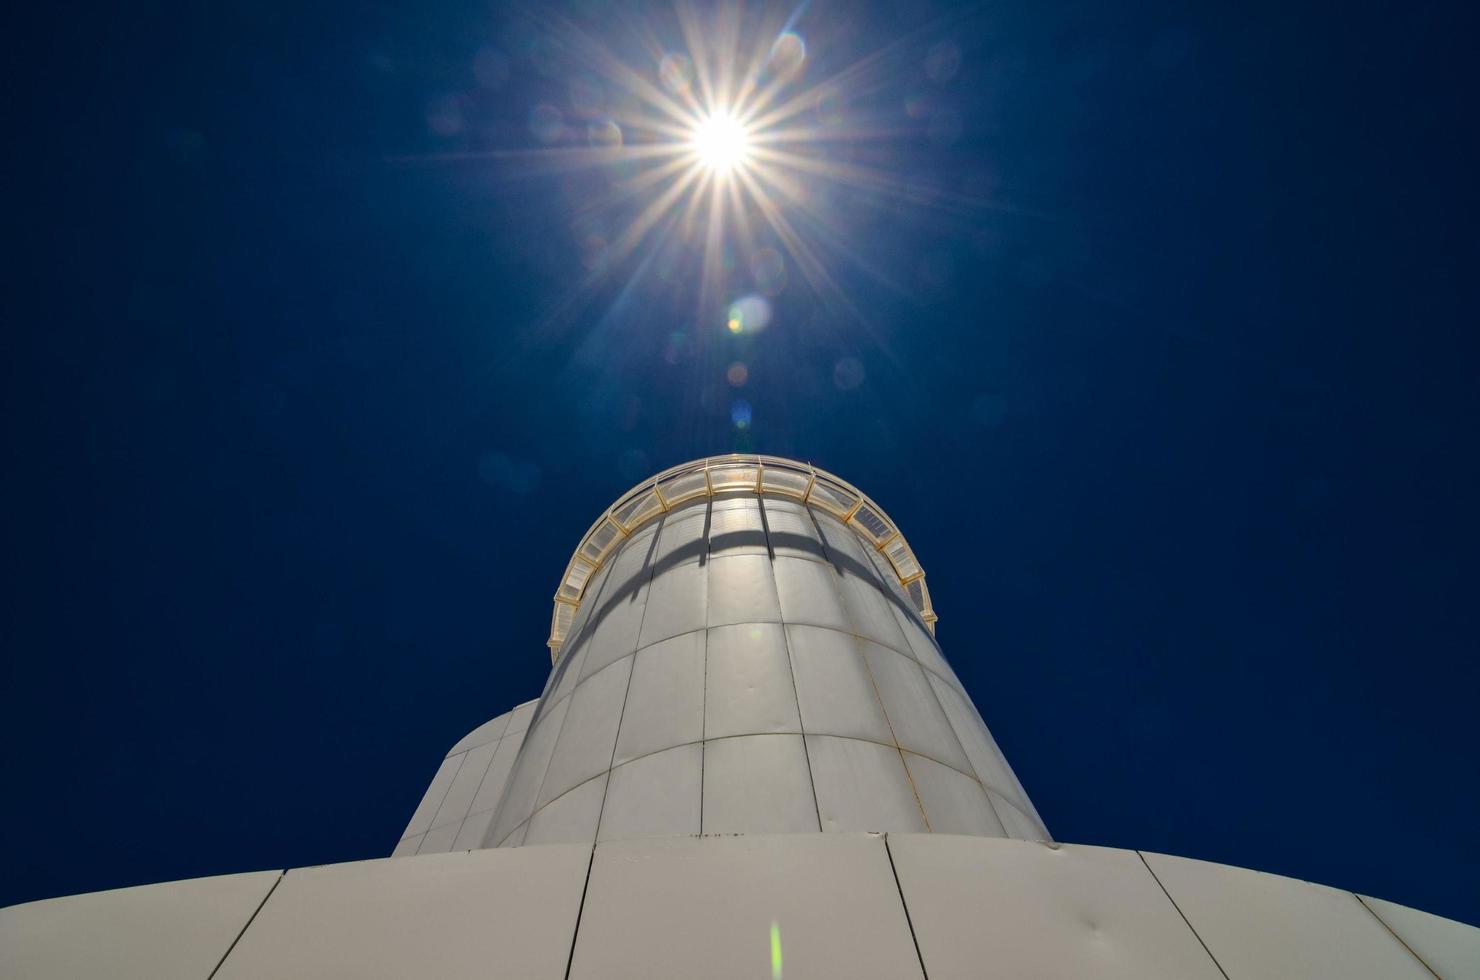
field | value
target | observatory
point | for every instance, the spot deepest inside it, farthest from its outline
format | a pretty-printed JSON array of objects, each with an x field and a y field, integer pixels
[{"x": 751, "y": 759}]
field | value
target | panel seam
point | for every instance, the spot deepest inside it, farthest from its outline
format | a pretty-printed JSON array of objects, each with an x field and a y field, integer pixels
[
  {"x": 507, "y": 715},
  {"x": 960, "y": 742},
  {"x": 581, "y": 911},
  {"x": 704, "y": 694},
  {"x": 250, "y": 919},
  {"x": 806, "y": 750},
  {"x": 907, "y": 653},
  {"x": 725, "y": 738},
  {"x": 704, "y": 717},
  {"x": 543, "y": 706},
  {"x": 481, "y": 780},
  {"x": 616, "y": 737},
  {"x": 908, "y": 921},
  {"x": 436, "y": 813},
  {"x": 791, "y": 668},
  {"x": 535, "y": 807},
  {"x": 1187, "y": 921},
  {"x": 878, "y": 696},
  {"x": 617, "y": 734},
  {"x": 1392, "y": 932},
  {"x": 507, "y": 776}
]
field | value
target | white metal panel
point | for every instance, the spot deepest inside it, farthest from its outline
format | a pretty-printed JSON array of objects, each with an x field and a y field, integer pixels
[
  {"x": 748, "y": 687},
  {"x": 843, "y": 546},
  {"x": 861, "y": 786},
  {"x": 688, "y": 510},
  {"x": 1450, "y": 949},
  {"x": 665, "y": 701},
  {"x": 757, "y": 784},
  {"x": 508, "y": 913},
  {"x": 617, "y": 615},
  {"x": 174, "y": 931},
  {"x": 885, "y": 576},
  {"x": 1019, "y": 824},
  {"x": 465, "y": 784},
  {"x": 923, "y": 645},
  {"x": 568, "y": 669},
  {"x": 407, "y": 845},
  {"x": 590, "y": 731},
  {"x": 732, "y": 501},
  {"x": 514, "y": 839},
  {"x": 643, "y": 539},
  {"x": 677, "y": 603},
  {"x": 986, "y": 758},
  {"x": 735, "y": 528},
  {"x": 431, "y": 800},
  {"x": 630, "y": 559},
  {"x": 869, "y": 611},
  {"x": 520, "y": 716},
  {"x": 529, "y": 771},
  {"x": 914, "y": 714},
  {"x": 490, "y": 731},
  {"x": 792, "y": 533},
  {"x": 742, "y": 590},
  {"x": 590, "y": 600},
  {"x": 656, "y": 795},
  {"x": 954, "y": 802},
  {"x": 614, "y": 633},
  {"x": 470, "y": 835},
  {"x": 570, "y": 818},
  {"x": 1003, "y": 908},
  {"x": 808, "y": 591},
  {"x": 438, "y": 840},
  {"x": 492, "y": 789},
  {"x": 681, "y": 538},
  {"x": 1264, "y": 925},
  {"x": 710, "y": 908},
  {"x": 834, "y": 690}
]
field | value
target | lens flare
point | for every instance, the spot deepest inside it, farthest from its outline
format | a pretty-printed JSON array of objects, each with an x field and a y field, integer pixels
[
  {"x": 724, "y": 164},
  {"x": 721, "y": 143},
  {"x": 748, "y": 314}
]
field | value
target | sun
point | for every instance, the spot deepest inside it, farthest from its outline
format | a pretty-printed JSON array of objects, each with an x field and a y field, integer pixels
[
  {"x": 718, "y": 156},
  {"x": 720, "y": 142}
]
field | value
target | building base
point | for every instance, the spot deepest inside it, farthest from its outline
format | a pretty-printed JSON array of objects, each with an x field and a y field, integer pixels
[{"x": 846, "y": 906}]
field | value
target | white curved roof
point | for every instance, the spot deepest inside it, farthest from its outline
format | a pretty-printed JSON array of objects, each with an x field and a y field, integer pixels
[{"x": 729, "y": 475}]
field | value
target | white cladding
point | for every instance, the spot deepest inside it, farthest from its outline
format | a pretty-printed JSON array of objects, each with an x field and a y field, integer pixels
[
  {"x": 828, "y": 906},
  {"x": 741, "y": 674},
  {"x": 458, "y": 806},
  {"x": 774, "y": 644}
]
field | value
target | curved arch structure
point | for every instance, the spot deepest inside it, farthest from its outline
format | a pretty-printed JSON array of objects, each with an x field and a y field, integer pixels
[{"x": 735, "y": 474}]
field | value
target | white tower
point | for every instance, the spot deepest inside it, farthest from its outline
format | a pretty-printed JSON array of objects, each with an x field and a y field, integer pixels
[
  {"x": 743, "y": 656},
  {"x": 740, "y": 645}
]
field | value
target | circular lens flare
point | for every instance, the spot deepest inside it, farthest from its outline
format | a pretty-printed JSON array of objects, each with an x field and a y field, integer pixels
[{"x": 720, "y": 142}]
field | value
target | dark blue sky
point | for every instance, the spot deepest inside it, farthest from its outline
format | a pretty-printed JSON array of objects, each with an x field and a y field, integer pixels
[{"x": 1179, "y": 413}]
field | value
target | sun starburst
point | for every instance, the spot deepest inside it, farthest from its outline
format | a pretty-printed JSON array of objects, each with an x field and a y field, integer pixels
[
  {"x": 718, "y": 150},
  {"x": 720, "y": 143}
]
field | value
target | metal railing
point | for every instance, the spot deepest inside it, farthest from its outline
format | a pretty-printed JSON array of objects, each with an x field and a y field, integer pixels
[{"x": 730, "y": 475}]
